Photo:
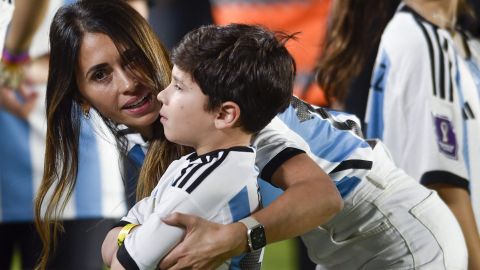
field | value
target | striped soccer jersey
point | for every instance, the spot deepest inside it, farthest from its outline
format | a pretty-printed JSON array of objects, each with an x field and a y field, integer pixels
[
  {"x": 328, "y": 137},
  {"x": 99, "y": 189},
  {"x": 220, "y": 186},
  {"x": 424, "y": 104}
]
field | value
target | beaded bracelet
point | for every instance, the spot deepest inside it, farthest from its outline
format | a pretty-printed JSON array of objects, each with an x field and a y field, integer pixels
[{"x": 15, "y": 59}]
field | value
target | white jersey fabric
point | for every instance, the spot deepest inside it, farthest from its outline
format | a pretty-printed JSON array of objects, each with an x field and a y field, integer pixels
[
  {"x": 220, "y": 186},
  {"x": 99, "y": 190},
  {"x": 424, "y": 104},
  {"x": 388, "y": 222}
]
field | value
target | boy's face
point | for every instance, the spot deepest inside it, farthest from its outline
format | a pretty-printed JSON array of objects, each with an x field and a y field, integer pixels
[{"x": 183, "y": 114}]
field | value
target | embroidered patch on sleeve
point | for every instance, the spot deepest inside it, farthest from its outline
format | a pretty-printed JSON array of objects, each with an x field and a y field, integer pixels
[{"x": 446, "y": 140}]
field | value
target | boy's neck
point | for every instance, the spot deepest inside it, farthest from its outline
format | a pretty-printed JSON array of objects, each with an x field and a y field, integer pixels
[{"x": 224, "y": 139}]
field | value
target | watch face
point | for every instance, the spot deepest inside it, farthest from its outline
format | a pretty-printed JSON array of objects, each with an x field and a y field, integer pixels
[{"x": 257, "y": 235}]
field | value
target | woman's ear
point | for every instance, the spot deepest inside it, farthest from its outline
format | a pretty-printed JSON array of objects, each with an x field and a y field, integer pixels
[
  {"x": 228, "y": 115},
  {"x": 85, "y": 109}
]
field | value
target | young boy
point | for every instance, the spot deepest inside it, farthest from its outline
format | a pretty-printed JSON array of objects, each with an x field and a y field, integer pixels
[{"x": 228, "y": 82}]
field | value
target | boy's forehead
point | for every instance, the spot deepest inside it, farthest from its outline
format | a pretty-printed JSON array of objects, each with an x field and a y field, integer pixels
[{"x": 180, "y": 75}]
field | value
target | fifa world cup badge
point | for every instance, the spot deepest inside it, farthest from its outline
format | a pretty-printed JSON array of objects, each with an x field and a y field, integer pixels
[{"x": 446, "y": 140}]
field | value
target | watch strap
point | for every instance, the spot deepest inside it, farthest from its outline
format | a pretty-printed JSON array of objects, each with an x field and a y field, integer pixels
[{"x": 250, "y": 222}]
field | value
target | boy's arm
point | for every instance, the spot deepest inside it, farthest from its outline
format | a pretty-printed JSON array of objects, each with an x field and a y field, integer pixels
[
  {"x": 110, "y": 246},
  {"x": 203, "y": 196},
  {"x": 207, "y": 244},
  {"x": 116, "y": 265}
]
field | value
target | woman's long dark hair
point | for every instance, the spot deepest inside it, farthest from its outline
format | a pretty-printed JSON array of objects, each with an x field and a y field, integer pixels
[
  {"x": 355, "y": 28},
  {"x": 152, "y": 67}
]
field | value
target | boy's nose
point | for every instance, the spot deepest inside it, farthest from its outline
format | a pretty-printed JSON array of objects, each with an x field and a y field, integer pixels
[{"x": 161, "y": 95}]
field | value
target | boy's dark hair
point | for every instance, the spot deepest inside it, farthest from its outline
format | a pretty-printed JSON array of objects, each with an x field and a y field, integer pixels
[{"x": 246, "y": 64}]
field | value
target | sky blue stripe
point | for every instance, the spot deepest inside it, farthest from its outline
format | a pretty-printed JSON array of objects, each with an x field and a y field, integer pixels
[
  {"x": 136, "y": 155},
  {"x": 325, "y": 141},
  {"x": 16, "y": 188},
  {"x": 347, "y": 184},
  {"x": 239, "y": 205},
  {"x": 475, "y": 70},
  {"x": 375, "y": 121},
  {"x": 464, "y": 123},
  {"x": 88, "y": 189},
  {"x": 235, "y": 262},
  {"x": 268, "y": 193}
]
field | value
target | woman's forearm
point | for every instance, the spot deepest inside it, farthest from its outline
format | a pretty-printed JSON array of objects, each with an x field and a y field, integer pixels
[{"x": 310, "y": 199}]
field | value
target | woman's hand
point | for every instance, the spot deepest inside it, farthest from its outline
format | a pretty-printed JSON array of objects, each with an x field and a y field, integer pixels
[{"x": 206, "y": 245}]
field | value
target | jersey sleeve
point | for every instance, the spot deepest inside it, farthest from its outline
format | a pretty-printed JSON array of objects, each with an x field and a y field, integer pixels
[
  {"x": 139, "y": 211},
  {"x": 202, "y": 193},
  {"x": 332, "y": 141},
  {"x": 276, "y": 143}
]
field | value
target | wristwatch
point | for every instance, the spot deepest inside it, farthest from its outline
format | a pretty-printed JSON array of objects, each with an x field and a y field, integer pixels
[{"x": 255, "y": 233}]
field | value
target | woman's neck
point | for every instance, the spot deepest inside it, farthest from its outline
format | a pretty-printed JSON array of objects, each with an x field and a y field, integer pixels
[
  {"x": 146, "y": 132},
  {"x": 442, "y": 13}
]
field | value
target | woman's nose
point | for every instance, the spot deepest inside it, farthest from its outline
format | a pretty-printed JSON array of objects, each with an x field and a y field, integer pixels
[{"x": 127, "y": 82}]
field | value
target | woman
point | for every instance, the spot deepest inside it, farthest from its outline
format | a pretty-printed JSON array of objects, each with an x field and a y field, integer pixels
[
  {"x": 422, "y": 83},
  {"x": 350, "y": 47},
  {"x": 66, "y": 106},
  {"x": 115, "y": 83}
]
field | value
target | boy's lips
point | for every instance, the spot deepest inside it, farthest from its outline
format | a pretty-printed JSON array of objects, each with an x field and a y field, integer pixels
[{"x": 162, "y": 117}]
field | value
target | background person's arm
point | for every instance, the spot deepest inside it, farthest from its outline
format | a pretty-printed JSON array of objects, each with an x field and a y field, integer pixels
[
  {"x": 310, "y": 197},
  {"x": 27, "y": 17},
  {"x": 458, "y": 200}
]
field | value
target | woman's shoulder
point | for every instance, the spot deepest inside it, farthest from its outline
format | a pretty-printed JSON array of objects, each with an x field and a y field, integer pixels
[{"x": 404, "y": 32}]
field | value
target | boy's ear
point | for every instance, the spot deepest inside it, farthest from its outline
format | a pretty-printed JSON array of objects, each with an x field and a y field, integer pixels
[{"x": 228, "y": 115}]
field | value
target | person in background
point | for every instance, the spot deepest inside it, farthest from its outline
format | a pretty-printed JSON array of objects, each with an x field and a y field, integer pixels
[
  {"x": 350, "y": 48},
  {"x": 424, "y": 104},
  {"x": 16, "y": 192},
  {"x": 22, "y": 114},
  {"x": 6, "y": 7}
]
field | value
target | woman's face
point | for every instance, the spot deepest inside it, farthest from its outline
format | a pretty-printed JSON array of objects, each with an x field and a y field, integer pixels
[{"x": 107, "y": 85}]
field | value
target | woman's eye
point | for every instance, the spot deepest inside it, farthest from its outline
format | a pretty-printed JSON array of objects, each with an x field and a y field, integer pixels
[
  {"x": 99, "y": 76},
  {"x": 177, "y": 87}
]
